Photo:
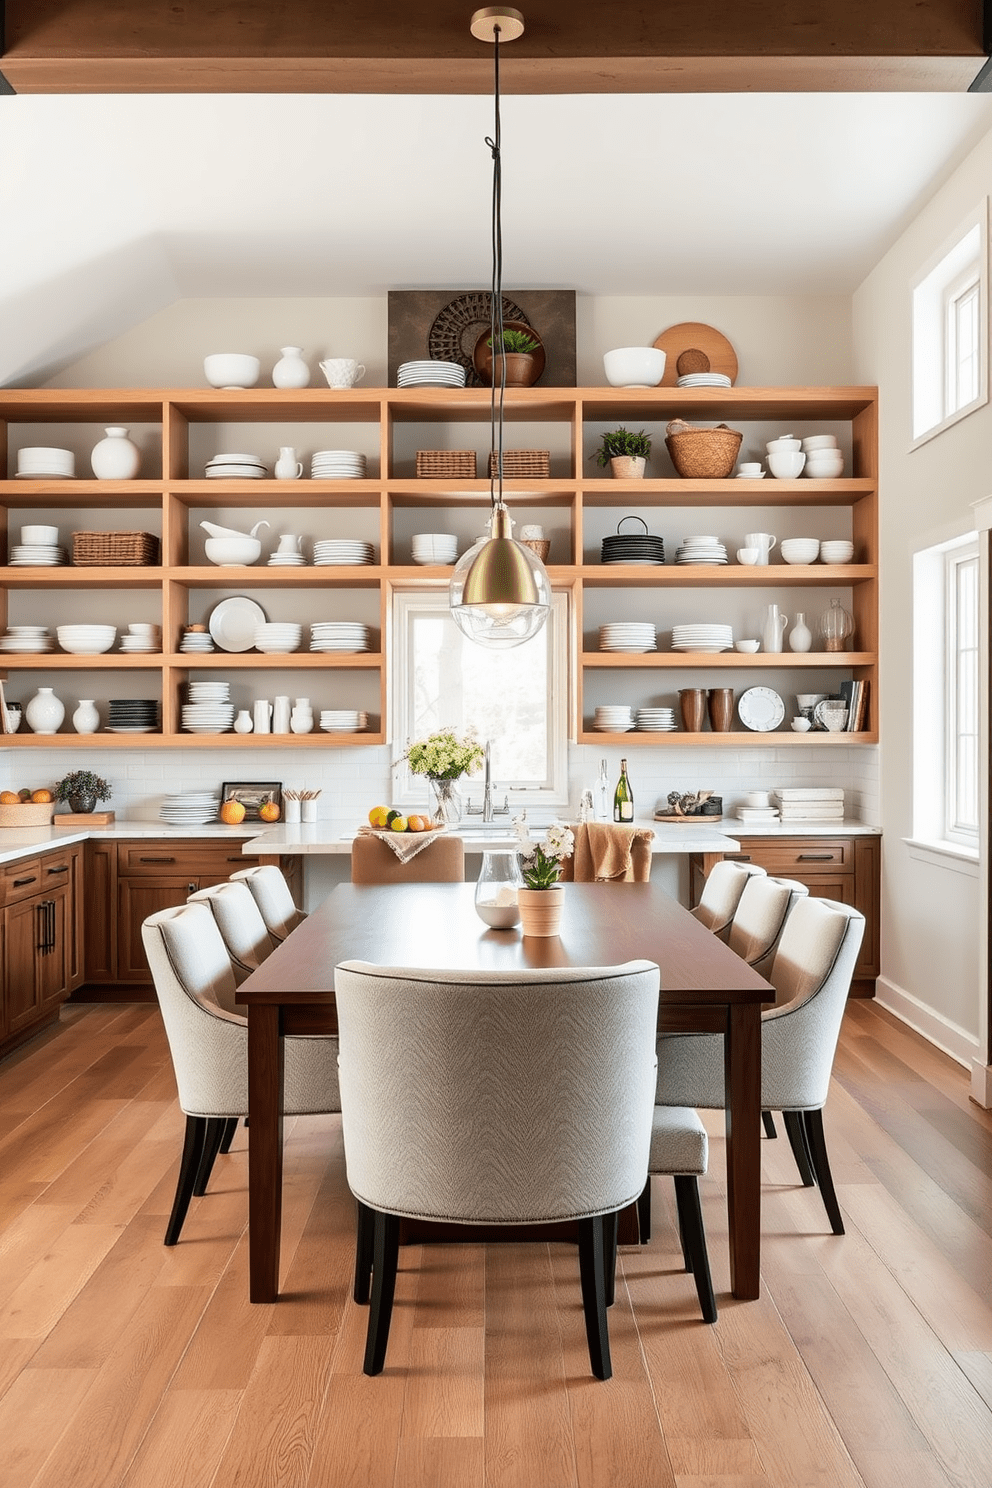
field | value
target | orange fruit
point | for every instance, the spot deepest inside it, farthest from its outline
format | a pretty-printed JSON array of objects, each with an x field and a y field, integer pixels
[
  {"x": 9, "y": 798},
  {"x": 379, "y": 816},
  {"x": 232, "y": 812},
  {"x": 269, "y": 812},
  {"x": 417, "y": 824},
  {"x": 42, "y": 797}
]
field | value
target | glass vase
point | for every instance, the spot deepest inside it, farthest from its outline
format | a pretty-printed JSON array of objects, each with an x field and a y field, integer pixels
[
  {"x": 496, "y": 891},
  {"x": 446, "y": 800}
]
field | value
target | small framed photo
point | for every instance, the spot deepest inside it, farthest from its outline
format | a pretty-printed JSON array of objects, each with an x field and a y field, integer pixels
[{"x": 253, "y": 795}]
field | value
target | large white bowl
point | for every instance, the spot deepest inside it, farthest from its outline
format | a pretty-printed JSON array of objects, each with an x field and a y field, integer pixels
[
  {"x": 820, "y": 442},
  {"x": 86, "y": 640},
  {"x": 825, "y": 466},
  {"x": 786, "y": 464},
  {"x": 800, "y": 549},
  {"x": 39, "y": 536},
  {"x": 231, "y": 369},
  {"x": 634, "y": 366},
  {"x": 229, "y": 552}
]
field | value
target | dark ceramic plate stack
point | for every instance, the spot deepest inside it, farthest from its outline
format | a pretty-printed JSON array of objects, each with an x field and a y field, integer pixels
[
  {"x": 133, "y": 715},
  {"x": 633, "y": 547}
]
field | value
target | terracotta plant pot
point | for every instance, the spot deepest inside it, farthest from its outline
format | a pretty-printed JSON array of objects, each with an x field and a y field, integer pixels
[
  {"x": 540, "y": 910},
  {"x": 521, "y": 369},
  {"x": 628, "y": 467}
]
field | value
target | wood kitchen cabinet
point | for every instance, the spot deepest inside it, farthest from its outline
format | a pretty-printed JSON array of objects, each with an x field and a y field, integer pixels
[
  {"x": 40, "y": 948},
  {"x": 842, "y": 867}
]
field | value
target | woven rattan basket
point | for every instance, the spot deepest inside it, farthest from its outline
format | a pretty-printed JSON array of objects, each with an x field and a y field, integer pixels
[
  {"x": 523, "y": 464},
  {"x": 27, "y": 814},
  {"x": 541, "y": 546},
  {"x": 446, "y": 464},
  {"x": 703, "y": 454},
  {"x": 114, "y": 549}
]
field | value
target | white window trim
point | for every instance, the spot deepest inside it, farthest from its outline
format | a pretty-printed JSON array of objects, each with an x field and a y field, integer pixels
[
  {"x": 953, "y": 559},
  {"x": 410, "y": 789},
  {"x": 950, "y": 265}
]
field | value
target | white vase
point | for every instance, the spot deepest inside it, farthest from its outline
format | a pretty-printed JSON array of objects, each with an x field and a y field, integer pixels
[
  {"x": 243, "y": 723},
  {"x": 291, "y": 371},
  {"x": 116, "y": 457},
  {"x": 263, "y": 716},
  {"x": 86, "y": 719},
  {"x": 800, "y": 636},
  {"x": 280, "y": 715},
  {"x": 44, "y": 712}
]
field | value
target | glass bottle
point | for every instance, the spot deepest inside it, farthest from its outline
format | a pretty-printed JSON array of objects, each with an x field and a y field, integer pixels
[
  {"x": 602, "y": 794},
  {"x": 836, "y": 627},
  {"x": 623, "y": 797},
  {"x": 496, "y": 890}
]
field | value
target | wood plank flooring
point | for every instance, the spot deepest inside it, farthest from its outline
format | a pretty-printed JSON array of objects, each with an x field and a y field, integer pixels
[{"x": 866, "y": 1362}]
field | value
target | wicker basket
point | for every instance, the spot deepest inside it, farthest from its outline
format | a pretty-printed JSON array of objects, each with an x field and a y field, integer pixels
[
  {"x": 541, "y": 546},
  {"x": 114, "y": 549},
  {"x": 703, "y": 454},
  {"x": 523, "y": 464},
  {"x": 446, "y": 464},
  {"x": 27, "y": 814}
]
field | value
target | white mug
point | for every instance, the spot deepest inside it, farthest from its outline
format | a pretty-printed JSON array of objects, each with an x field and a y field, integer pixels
[
  {"x": 342, "y": 372},
  {"x": 763, "y": 541}
]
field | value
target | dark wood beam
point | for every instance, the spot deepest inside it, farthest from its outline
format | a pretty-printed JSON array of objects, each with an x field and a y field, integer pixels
[{"x": 568, "y": 46}]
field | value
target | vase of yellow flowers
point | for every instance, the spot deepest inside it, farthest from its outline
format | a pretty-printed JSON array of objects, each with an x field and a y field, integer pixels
[
  {"x": 542, "y": 898},
  {"x": 444, "y": 758}
]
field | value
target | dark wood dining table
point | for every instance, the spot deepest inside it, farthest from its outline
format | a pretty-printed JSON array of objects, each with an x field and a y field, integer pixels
[{"x": 705, "y": 987}]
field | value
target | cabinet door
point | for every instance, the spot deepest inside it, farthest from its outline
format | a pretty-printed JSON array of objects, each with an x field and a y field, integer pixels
[
  {"x": 99, "y": 919},
  {"x": 63, "y": 871},
  {"x": 137, "y": 898},
  {"x": 54, "y": 953},
  {"x": 21, "y": 937}
]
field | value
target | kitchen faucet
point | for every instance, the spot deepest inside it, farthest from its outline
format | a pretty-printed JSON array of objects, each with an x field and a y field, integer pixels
[{"x": 487, "y": 810}]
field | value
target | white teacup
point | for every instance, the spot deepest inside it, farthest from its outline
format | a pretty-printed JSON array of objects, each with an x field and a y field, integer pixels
[
  {"x": 801, "y": 725},
  {"x": 342, "y": 372},
  {"x": 749, "y": 555}
]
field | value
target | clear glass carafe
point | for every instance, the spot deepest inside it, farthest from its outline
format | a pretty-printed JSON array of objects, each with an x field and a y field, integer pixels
[{"x": 496, "y": 890}]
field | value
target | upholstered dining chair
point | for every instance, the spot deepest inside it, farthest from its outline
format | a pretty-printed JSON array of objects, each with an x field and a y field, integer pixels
[
  {"x": 441, "y": 861},
  {"x": 452, "y": 1110},
  {"x": 760, "y": 917},
  {"x": 680, "y": 1150},
  {"x": 811, "y": 974},
  {"x": 608, "y": 852},
  {"x": 272, "y": 895},
  {"x": 721, "y": 895},
  {"x": 194, "y": 983},
  {"x": 240, "y": 924}
]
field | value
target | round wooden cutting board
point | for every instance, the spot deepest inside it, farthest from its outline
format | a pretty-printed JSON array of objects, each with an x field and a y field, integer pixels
[{"x": 701, "y": 348}]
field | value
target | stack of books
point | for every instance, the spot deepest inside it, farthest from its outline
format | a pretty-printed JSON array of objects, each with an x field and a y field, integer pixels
[
  {"x": 855, "y": 695},
  {"x": 812, "y": 803}
]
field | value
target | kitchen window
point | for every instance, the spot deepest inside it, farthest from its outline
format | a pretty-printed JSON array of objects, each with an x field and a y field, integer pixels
[
  {"x": 518, "y": 699},
  {"x": 950, "y": 341}
]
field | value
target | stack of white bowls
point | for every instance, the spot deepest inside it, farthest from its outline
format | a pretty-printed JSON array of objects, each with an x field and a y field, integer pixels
[
  {"x": 343, "y": 721},
  {"x": 611, "y": 719},
  {"x": 196, "y": 641},
  {"x": 38, "y": 462},
  {"x": 785, "y": 457},
  {"x": 86, "y": 640},
  {"x": 142, "y": 638},
  {"x": 342, "y": 551},
  {"x": 339, "y": 635},
  {"x": 434, "y": 547},
  {"x": 800, "y": 549},
  {"x": 824, "y": 461},
  {"x": 277, "y": 637},
  {"x": 209, "y": 710},
  {"x": 836, "y": 550},
  {"x": 628, "y": 635}
]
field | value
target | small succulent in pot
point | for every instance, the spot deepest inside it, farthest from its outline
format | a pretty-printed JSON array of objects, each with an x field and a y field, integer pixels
[
  {"x": 517, "y": 342},
  {"x": 620, "y": 443},
  {"x": 82, "y": 789}
]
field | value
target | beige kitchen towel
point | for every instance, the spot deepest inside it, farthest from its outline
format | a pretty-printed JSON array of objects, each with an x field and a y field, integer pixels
[
  {"x": 609, "y": 852},
  {"x": 405, "y": 845}
]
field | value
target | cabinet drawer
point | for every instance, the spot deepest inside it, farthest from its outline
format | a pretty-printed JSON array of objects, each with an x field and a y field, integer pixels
[
  {"x": 192, "y": 858},
  {"x": 798, "y": 855},
  {"x": 22, "y": 880}
]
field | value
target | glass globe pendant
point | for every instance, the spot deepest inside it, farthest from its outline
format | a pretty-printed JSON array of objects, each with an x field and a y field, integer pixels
[{"x": 499, "y": 594}]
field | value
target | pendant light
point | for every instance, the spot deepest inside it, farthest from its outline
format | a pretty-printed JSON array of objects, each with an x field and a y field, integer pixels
[{"x": 499, "y": 595}]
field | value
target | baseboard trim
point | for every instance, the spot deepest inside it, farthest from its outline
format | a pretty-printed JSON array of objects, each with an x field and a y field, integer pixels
[
  {"x": 950, "y": 1037},
  {"x": 981, "y": 1085}
]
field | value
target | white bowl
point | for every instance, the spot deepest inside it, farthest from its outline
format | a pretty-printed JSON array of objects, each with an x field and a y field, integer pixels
[
  {"x": 230, "y": 552},
  {"x": 786, "y": 464},
  {"x": 820, "y": 442},
  {"x": 801, "y": 725},
  {"x": 836, "y": 552},
  {"x": 749, "y": 646},
  {"x": 231, "y": 369},
  {"x": 748, "y": 556},
  {"x": 634, "y": 366},
  {"x": 800, "y": 549},
  {"x": 780, "y": 446},
  {"x": 39, "y": 536},
  {"x": 86, "y": 640},
  {"x": 825, "y": 468}
]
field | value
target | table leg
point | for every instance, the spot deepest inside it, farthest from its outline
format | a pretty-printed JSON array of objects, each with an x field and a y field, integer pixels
[
  {"x": 743, "y": 1084},
  {"x": 265, "y": 1102}
]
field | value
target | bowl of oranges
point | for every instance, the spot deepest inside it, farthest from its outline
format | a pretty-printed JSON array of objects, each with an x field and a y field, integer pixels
[
  {"x": 27, "y": 808},
  {"x": 386, "y": 819}
]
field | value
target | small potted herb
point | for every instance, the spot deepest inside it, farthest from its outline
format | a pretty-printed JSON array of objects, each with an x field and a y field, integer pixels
[
  {"x": 521, "y": 369},
  {"x": 82, "y": 789},
  {"x": 624, "y": 452}
]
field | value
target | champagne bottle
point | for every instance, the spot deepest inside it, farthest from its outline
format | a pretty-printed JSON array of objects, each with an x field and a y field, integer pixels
[{"x": 623, "y": 797}]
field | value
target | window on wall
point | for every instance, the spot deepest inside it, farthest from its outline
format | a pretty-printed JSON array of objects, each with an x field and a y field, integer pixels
[
  {"x": 517, "y": 699},
  {"x": 950, "y": 331},
  {"x": 946, "y": 738}
]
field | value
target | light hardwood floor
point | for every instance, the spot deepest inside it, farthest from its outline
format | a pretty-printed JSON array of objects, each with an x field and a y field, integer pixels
[{"x": 866, "y": 1361}]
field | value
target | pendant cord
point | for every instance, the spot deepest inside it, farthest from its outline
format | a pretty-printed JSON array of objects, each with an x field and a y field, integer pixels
[{"x": 497, "y": 393}]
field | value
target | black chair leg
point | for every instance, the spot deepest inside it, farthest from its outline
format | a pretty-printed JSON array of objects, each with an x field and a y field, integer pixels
[
  {"x": 813, "y": 1127},
  {"x": 364, "y": 1245},
  {"x": 592, "y": 1261},
  {"x": 384, "y": 1262},
  {"x": 230, "y": 1127},
  {"x": 189, "y": 1166},
  {"x": 611, "y": 1226},
  {"x": 768, "y": 1122},
  {"x": 694, "y": 1242},
  {"x": 796, "y": 1132},
  {"x": 216, "y": 1126},
  {"x": 644, "y": 1213}
]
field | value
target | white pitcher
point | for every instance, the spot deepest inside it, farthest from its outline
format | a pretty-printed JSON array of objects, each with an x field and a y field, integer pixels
[
  {"x": 288, "y": 467},
  {"x": 763, "y": 541},
  {"x": 773, "y": 629}
]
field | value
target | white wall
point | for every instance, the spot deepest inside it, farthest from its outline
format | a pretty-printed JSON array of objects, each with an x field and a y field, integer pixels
[{"x": 931, "y": 910}]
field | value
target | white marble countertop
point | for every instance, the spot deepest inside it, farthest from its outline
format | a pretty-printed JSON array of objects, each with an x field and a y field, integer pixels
[{"x": 324, "y": 838}]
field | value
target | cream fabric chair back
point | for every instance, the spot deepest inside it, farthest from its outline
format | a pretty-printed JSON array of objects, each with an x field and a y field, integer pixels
[
  {"x": 721, "y": 895},
  {"x": 761, "y": 916},
  {"x": 374, "y": 862},
  {"x": 275, "y": 902},
  {"x": 240, "y": 924}
]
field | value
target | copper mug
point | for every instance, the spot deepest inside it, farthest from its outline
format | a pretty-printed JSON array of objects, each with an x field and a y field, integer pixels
[
  {"x": 692, "y": 706},
  {"x": 720, "y": 705}
]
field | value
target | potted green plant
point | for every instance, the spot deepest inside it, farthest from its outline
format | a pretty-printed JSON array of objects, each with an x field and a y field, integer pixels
[
  {"x": 517, "y": 357},
  {"x": 542, "y": 898},
  {"x": 81, "y": 789},
  {"x": 624, "y": 452}
]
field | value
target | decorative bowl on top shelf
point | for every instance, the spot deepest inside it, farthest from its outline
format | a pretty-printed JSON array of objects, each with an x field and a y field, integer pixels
[{"x": 231, "y": 369}]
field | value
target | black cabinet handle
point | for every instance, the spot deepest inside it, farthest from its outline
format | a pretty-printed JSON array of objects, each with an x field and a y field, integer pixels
[
  {"x": 20, "y": 882},
  {"x": 737, "y": 857},
  {"x": 815, "y": 857},
  {"x": 51, "y": 924},
  {"x": 45, "y": 911},
  {"x": 63, "y": 868},
  {"x": 156, "y": 860}
]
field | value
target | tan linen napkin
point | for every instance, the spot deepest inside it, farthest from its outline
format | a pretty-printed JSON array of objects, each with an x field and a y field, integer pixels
[
  {"x": 603, "y": 853},
  {"x": 405, "y": 845}
]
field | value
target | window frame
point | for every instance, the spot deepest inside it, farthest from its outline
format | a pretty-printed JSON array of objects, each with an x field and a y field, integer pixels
[
  {"x": 956, "y": 561},
  {"x": 947, "y": 276}
]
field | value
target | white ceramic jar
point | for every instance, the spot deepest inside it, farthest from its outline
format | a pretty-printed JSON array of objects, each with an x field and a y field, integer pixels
[
  {"x": 291, "y": 371},
  {"x": 280, "y": 715},
  {"x": 44, "y": 712},
  {"x": 86, "y": 719},
  {"x": 243, "y": 723},
  {"x": 800, "y": 636},
  {"x": 116, "y": 457}
]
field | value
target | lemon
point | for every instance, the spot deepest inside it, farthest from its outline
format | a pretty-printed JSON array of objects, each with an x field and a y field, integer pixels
[
  {"x": 379, "y": 816},
  {"x": 391, "y": 817},
  {"x": 398, "y": 823}
]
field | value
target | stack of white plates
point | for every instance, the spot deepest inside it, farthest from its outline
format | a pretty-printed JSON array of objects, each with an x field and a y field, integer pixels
[
  {"x": 628, "y": 636},
  {"x": 343, "y": 551},
  {"x": 190, "y": 809},
  {"x": 86, "y": 640},
  {"x": 339, "y": 635},
  {"x": 757, "y": 813},
  {"x": 703, "y": 379},
  {"x": 277, "y": 638},
  {"x": 236, "y": 467},
  {"x": 132, "y": 715},
  {"x": 434, "y": 547},
  {"x": 342, "y": 721},
  {"x": 140, "y": 643},
  {"x": 614, "y": 720},
  {"x": 337, "y": 465},
  {"x": 286, "y": 560},
  {"x": 710, "y": 638},
  {"x": 208, "y": 692},
  {"x": 38, "y": 462},
  {"x": 430, "y": 374},
  {"x": 207, "y": 718},
  {"x": 26, "y": 639},
  {"x": 196, "y": 641},
  {"x": 656, "y": 720},
  {"x": 36, "y": 555},
  {"x": 701, "y": 550}
]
